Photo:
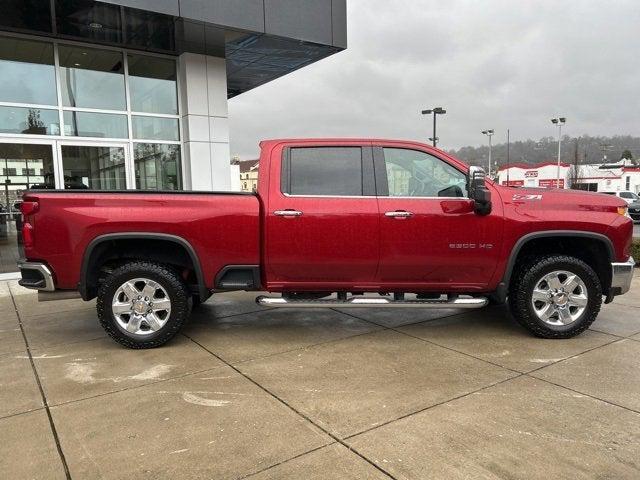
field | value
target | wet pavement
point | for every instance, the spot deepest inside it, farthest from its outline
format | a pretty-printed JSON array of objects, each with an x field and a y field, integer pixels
[{"x": 246, "y": 392}]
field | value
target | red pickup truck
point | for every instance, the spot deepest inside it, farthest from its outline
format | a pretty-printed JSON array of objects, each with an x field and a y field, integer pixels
[{"x": 335, "y": 223}]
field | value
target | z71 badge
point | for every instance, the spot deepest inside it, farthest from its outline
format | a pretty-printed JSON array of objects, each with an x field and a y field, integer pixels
[{"x": 521, "y": 197}]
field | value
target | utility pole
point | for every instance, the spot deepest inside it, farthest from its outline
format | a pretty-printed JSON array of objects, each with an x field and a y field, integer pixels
[
  {"x": 508, "y": 155},
  {"x": 489, "y": 133},
  {"x": 435, "y": 111},
  {"x": 559, "y": 122}
]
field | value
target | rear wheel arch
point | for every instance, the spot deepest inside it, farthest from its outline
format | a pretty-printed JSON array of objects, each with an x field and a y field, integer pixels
[
  {"x": 578, "y": 244},
  {"x": 104, "y": 247}
]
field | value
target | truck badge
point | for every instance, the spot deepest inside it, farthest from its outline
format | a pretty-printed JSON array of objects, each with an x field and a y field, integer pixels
[{"x": 520, "y": 197}]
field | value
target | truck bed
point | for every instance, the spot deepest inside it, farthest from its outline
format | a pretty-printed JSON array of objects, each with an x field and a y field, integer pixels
[{"x": 209, "y": 222}]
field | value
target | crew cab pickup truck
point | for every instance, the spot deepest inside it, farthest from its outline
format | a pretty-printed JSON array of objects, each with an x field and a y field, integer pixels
[{"x": 334, "y": 223}]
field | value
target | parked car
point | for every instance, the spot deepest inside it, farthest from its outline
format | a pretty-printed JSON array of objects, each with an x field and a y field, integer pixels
[
  {"x": 634, "y": 211},
  {"x": 627, "y": 196},
  {"x": 334, "y": 223}
]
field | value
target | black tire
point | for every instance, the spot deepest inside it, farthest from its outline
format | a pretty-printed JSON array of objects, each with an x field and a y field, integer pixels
[
  {"x": 525, "y": 278},
  {"x": 169, "y": 280}
]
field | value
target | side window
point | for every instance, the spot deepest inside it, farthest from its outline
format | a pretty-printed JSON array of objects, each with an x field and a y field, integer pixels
[
  {"x": 626, "y": 195},
  {"x": 411, "y": 173},
  {"x": 324, "y": 171}
]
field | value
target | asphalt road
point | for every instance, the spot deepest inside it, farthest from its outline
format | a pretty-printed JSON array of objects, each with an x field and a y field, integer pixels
[{"x": 636, "y": 230}]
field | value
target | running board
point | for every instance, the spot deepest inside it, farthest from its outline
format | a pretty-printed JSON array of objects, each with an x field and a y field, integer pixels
[{"x": 364, "y": 302}]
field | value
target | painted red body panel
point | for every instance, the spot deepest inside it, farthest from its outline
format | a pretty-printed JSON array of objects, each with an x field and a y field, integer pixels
[
  {"x": 222, "y": 229},
  {"x": 340, "y": 243}
]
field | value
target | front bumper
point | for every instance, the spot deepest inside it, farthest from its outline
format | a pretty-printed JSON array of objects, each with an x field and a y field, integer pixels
[
  {"x": 36, "y": 276},
  {"x": 621, "y": 276}
]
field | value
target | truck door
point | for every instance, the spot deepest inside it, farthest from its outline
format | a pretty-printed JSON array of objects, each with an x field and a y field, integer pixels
[
  {"x": 321, "y": 217},
  {"x": 429, "y": 233}
]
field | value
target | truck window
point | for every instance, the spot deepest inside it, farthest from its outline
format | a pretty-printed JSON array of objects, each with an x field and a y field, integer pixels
[
  {"x": 325, "y": 171},
  {"x": 411, "y": 173}
]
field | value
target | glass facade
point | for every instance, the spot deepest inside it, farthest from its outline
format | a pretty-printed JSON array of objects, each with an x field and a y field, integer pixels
[
  {"x": 22, "y": 166},
  {"x": 29, "y": 121},
  {"x": 98, "y": 125},
  {"x": 157, "y": 166},
  {"x": 92, "y": 78},
  {"x": 94, "y": 168},
  {"x": 86, "y": 94},
  {"x": 28, "y": 72},
  {"x": 83, "y": 117},
  {"x": 152, "y": 82},
  {"x": 155, "y": 128}
]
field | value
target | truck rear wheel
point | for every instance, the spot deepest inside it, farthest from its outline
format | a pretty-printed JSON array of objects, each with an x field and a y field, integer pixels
[
  {"x": 555, "y": 296},
  {"x": 143, "y": 304}
]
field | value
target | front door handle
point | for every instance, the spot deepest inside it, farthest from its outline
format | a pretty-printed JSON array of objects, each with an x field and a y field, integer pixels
[
  {"x": 288, "y": 213},
  {"x": 398, "y": 214}
]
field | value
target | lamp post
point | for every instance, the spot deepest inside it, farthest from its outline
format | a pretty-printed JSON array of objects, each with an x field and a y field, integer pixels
[
  {"x": 435, "y": 111},
  {"x": 559, "y": 121},
  {"x": 489, "y": 133}
]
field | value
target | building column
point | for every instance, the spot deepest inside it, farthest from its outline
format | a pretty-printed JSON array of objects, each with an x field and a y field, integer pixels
[{"x": 205, "y": 123}]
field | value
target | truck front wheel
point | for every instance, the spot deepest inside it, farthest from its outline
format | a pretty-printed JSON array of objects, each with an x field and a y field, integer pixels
[
  {"x": 555, "y": 296},
  {"x": 143, "y": 304}
]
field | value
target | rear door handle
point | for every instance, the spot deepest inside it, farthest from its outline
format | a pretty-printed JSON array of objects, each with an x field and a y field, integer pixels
[
  {"x": 288, "y": 213},
  {"x": 398, "y": 214}
]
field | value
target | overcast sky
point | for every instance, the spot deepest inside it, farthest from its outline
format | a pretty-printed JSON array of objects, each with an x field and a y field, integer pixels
[{"x": 492, "y": 64}]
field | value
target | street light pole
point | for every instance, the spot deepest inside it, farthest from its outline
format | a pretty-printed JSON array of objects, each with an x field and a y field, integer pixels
[
  {"x": 489, "y": 133},
  {"x": 435, "y": 111},
  {"x": 559, "y": 122}
]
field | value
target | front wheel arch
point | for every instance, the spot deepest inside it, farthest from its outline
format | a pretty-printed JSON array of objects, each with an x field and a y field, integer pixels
[{"x": 595, "y": 249}]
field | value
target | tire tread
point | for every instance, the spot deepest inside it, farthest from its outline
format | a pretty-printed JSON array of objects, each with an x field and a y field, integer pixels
[
  {"x": 530, "y": 269},
  {"x": 171, "y": 281}
]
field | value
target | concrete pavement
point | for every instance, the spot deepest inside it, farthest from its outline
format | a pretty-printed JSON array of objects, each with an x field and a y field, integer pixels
[{"x": 246, "y": 392}]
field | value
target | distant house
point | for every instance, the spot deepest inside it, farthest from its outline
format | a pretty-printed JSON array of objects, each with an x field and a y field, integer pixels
[{"x": 248, "y": 175}]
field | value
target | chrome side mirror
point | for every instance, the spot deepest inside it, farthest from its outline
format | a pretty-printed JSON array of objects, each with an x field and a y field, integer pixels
[{"x": 478, "y": 191}]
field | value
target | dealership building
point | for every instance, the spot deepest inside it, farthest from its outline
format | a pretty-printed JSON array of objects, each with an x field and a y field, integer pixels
[
  {"x": 623, "y": 176},
  {"x": 132, "y": 94}
]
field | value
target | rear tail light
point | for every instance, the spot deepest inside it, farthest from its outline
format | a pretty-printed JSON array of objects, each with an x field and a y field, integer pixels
[
  {"x": 27, "y": 235},
  {"x": 28, "y": 208}
]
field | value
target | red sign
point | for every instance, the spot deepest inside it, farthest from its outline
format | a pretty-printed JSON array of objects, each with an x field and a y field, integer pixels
[
  {"x": 513, "y": 183},
  {"x": 531, "y": 173},
  {"x": 551, "y": 183}
]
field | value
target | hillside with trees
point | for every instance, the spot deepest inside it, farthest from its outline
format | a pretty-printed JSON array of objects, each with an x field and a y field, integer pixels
[{"x": 584, "y": 149}]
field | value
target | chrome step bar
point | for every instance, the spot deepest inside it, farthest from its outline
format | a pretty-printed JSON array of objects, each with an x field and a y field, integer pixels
[{"x": 368, "y": 302}]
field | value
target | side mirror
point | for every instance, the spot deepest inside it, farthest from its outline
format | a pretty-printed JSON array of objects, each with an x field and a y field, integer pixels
[{"x": 478, "y": 191}]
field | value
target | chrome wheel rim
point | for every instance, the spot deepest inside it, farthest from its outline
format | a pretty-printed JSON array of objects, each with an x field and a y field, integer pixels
[
  {"x": 141, "y": 306},
  {"x": 559, "y": 298}
]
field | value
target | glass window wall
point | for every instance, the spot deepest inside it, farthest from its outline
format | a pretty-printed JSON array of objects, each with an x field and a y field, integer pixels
[
  {"x": 155, "y": 128},
  {"x": 152, "y": 83},
  {"x": 98, "y": 125},
  {"x": 98, "y": 21},
  {"x": 32, "y": 15},
  {"x": 29, "y": 121},
  {"x": 95, "y": 168},
  {"x": 28, "y": 72},
  {"x": 157, "y": 166},
  {"x": 108, "y": 94},
  {"x": 92, "y": 78}
]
